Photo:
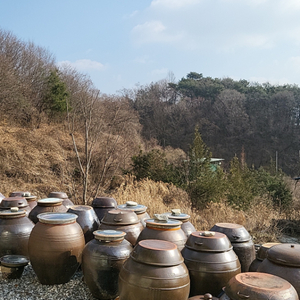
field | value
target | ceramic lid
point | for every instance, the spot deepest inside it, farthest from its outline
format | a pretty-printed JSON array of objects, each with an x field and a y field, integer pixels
[
  {"x": 13, "y": 202},
  {"x": 177, "y": 215},
  {"x": 163, "y": 223},
  {"x": 57, "y": 218},
  {"x": 49, "y": 201},
  {"x": 104, "y": 202},
  {"x": 109, "y": 235},
  {"x": 157, "y": 252},
  {"x": 79, "y": 208},
  {"x": 208, "y": 241},
  {"x": 285, "y": 254},
  {"x": 255, "y": 285},
  {"x": 120, "y": 217},
  {"x": 14, "y": 261},
  {"x": 60, "y": 195},
  {"x": 130, "y": 205},
  {"x": 235, "y": 232},
  {"x": 203, "y": 297},
  {"x": 13, "y": 212},
  {"x": 26, "y": 195},
  {"x": 262, "y": 251}
]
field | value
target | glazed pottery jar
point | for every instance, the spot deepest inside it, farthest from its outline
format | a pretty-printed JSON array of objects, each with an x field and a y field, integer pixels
[
  {"x": 46, "y": 205},
  {"x": 258, "y": 286},
  {"x": 19, "y": 202},
  {"x": 186, "y": 225},
  {"x": 284, "y": 261},
  {"x": 12, "y": 266},
  {"x": 102, "y": 205},
  {"x": 154, "y": 271},
  {"x": 261, "y": 255},
  {"x": 55, "y": 247},
  {"x": 211, "y": 262},
  {"x": 27, "y": 195},
  {"x": 164, "y": 229},
  {"x": 139, "y": 209},
  {"x": 123, "y": 220},
  {"x": 102, "y": 260},
  {"x": 61, "y": 195},
  {"x": 241, "y": 241},
  {"x": 87, "y": 219},
  {"x": 15, "y": 229}
]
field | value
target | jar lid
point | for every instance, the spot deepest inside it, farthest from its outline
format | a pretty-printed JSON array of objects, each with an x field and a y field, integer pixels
[
  {"x": 255, "y": 285},
  {"x": 60, "y": 195},
  {"x": 285, "y": 254},
  {"x": 262, "y": 251},
  {"x": 13, "y": 212},
  {"x": 57, "y": 218},
  {"x": 164, "y": 224},
  {"x": 109, "y": 235},
  {"x": 105, "y": 202},
  {"x": 177, "y": 215},
  {"x": 120, "y": 217},
  {"x": 13, "y": 261},
  {"x": 50, "y": 201},
  {"x": 79, "y": 208},
  {"x": 157, "y": 252},
  {"x": 13, "y": 202},
  {"x": 26, "y": 195},
  {"x": 235, "y": 232},
  {"x": 208, "y": 241},
  {"x": 204, "y": 297},
  {"x": 130, "y": 205}
]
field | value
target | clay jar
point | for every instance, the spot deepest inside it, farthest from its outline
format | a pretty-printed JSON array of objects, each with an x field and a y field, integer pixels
[
  {"x": 27, "y": 195},
  {"x": 102, "y": 205},
  {"x": 139, "y": 209},
  {"x": 186, "y": 225},
  {"x": 261, "y": 255},
  {"x": 167, "y": 230},
  {"x": 154, "y": 271},
  {"x": 15, "y": 229},
  {"x": 61, "y": 195},
  {"x": 12, "y": 266},
  {"x": 241, "y": 241},
  {"x": 87, "y": 219},
  {"x": 19, "y": 202},
  {"x": 254, "y": 285},
  {"x": 211, "y": 262},
  {"x": 123, "y": 220},
  {"x": 46, "y": 205},
  {"x": 284, "y": 261},
  {"x": 55, "y": 247},
  {"x": 102, "y": 260}
]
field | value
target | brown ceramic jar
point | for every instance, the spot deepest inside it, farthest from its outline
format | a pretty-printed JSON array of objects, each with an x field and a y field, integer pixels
[
  {"x": 19, "y": 202},
  {"x": 154, "y": 271},
  {"x": 123, "y": 220},
  {"x": 55, "y": 247},
  {"x": 139, "y": 209},
  {"x": 241, "y": 241},
  {"x": 167, "y": 230},
  {"x": 284, "y": 261},
  {"x": 46, "y": 205},
  {"x": 27, "y": 195},
  {"x": 87, "y": 219},
  {"x": 12, "y": 266},
  {"x": 258, "y": 286},
  {"x": 102, "y": 205},
  {"x": 102, "y": 260},
  {"x": 15, "y": 229},
  {"x": 211, "y": 262},
  {"x": 61, "y": 195}
]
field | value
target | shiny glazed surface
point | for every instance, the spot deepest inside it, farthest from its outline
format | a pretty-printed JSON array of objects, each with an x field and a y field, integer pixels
[{"x": 55, "y": 251}]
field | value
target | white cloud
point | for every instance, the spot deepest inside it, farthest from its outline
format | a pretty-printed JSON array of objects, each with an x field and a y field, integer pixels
[
  {"x": 173, "y": 4},
  {"x": 84, "y": 64},
  {"x": 159, "y": 72}
]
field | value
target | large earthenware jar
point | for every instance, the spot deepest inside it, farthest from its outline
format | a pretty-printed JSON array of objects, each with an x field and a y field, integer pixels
[
  {"x": 284, "y": 261},
  {"x": 154, "y": 271},
  {"x": 102, "y": 260},
  {"x": 167, "y": 230},
  {"x": 123, "y": 220},
  {"x": 46, "y": 205},
  {"x": 61, "y": 195},
  {"x": 258, "y": 286},
  {"x": 139, "y": 209},
  {"x": 55, "y": 247},
  {"x": 261, "y": 255},
  {"x": 27, "y": 195},
  {"x": 102, "y": 205},
  {"x": 19, "y": 202},
  {"x": 241, "y": 241},
  {"x": 15, "y": 229},
  {"x": 186, "y": 225},
  {"x": 211, "y": 262},
  {"x": 87, "y": 219}
]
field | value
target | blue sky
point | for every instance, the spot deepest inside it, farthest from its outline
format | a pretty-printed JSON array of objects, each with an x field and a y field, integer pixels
[{"x": 120, "y": 44}]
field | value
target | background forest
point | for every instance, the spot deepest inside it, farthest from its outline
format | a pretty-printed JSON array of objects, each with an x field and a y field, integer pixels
[{"x": 59, "y": 132}]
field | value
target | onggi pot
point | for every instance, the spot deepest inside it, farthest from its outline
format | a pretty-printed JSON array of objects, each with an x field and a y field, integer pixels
[
  {"x": 154, "y": 271},
  {"x": 27, "y": 195},
  {"x": 19, "y": 202},
  {"x": 55, "y": 247},
  {"x": 61, "y": 195},
  {"x": 102, "y": 205},
  {"x": 102, "y": 260}
]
